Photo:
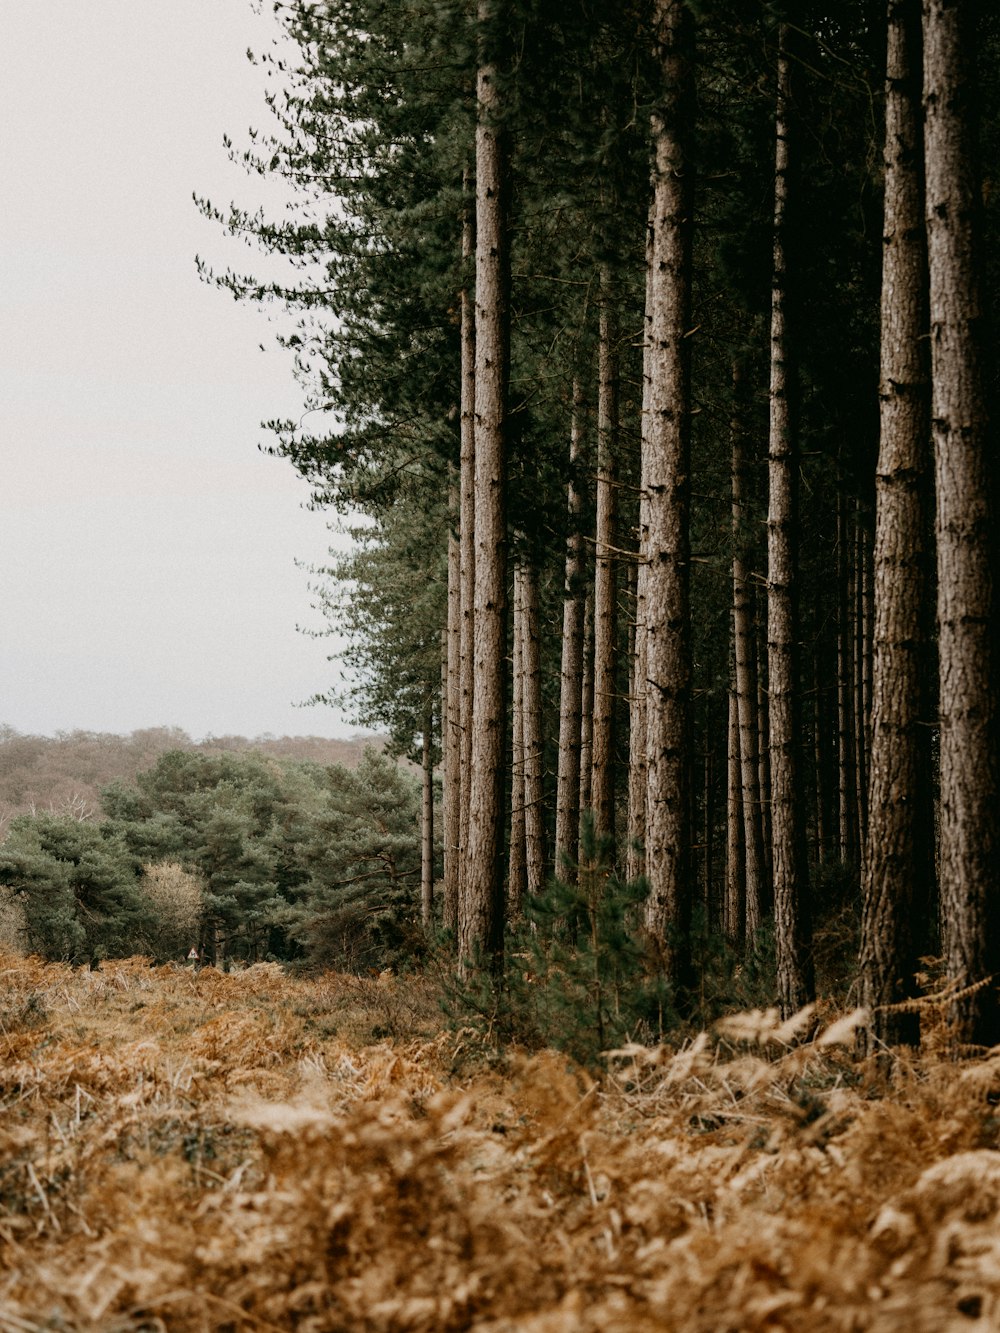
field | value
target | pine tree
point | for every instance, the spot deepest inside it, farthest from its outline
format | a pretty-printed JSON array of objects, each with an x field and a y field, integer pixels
[
  {"x": 791, "y": 903},
  {"x": 666, "y": 469},
  {"x": 966, "y": 574},
  {"x": 898, "y": 866},
  {"x": 481, "y": 916}
]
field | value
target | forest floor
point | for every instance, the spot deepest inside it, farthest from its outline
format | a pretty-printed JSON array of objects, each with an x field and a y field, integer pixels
[{"x": 251, "y": 1151}]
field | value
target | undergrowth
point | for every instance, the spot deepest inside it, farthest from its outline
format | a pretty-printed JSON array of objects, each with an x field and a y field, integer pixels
[{"x": 201, "y": 1151}]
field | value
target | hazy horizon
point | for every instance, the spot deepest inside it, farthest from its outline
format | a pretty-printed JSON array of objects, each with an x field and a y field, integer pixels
[{"x": 152, "y": 546}]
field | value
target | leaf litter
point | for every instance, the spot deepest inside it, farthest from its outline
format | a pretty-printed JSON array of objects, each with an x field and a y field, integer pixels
[{"x": 203, "y": 1151}]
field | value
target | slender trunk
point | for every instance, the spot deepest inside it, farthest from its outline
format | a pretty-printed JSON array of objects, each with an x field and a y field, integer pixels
[
  {"x": 846, "y": 782},
  {"x": 481, "y": 924},
  {"x": 571, "y": 671},
  {"x": 668, "y": 467},
  {"x": 734, "y": 905},
  {"x": 858, "y": 690},
  {"x": 517, "y": 861},
  {"x": 602, "y": 793},
  {"x": 451, "y": 713},
  {"x": 898, "y": 863},
  {"x": 867, "y": 648},
  {"x": 819, "y": 756},
  {"x": 791, "y": 901},
  {"x": 964, "y": 461},
  {"x": 532, "y": 737},
  {"x": 586, "y": 715},
  {"x": 745, "y": 677},
  {"x": 637, "y": 775},
  {"x": 467, "y": 548},
  {"x": 707, "y": 825},
  {"x": 764, "y": 762},
  {"x": 427, "y": 823}
]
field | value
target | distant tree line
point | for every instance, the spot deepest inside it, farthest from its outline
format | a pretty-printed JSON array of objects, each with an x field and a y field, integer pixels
[
  {"x": 648, "y": 345},
  {"x": 239, "y": 857},
  {"x": 64, "y": 773}
]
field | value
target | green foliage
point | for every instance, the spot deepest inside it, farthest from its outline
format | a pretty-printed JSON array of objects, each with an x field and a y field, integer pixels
[
  {"x": 579, "y": 973},
  {"x": 360, "y": 907},
  {"x": 78, "y": 884},
  {"x": 256, "y": 856}
]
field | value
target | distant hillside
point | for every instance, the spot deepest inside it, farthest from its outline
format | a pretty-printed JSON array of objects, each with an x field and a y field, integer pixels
[{"x": 66, "y": 772}]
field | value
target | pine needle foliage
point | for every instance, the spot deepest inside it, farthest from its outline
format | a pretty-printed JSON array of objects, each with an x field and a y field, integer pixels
[{"x": 579, "y": 974}]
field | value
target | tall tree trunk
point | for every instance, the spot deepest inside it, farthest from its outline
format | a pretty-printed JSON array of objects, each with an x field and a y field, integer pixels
[
  {"x": 899, "y": 855},
  {"x": 745, "y": 675},
  {"x": 427, "y": 822},
  {"x": 861, "y": 683},
  {"x": 602, "y": 790},
  {"x": 517, "y": 877},
  {"x": 532, "y": 736},
  {"x": 867, "y": 647},
  {"x": 963, "y": 447},
  {"x": 467, "y": 543},
  {"x": 635, "y": 863},
  {"x": 764, "y": 753},
  {"x": 791, "y": 902},
  {"x": 707, "y": 824},
  {"x": 571, "y": 670},
  {"x": 451, "y": 712},
  {"x": 586, "y": 715},
  {"x": 734, "y": 913},
  {"x": 846, "y": 779},
  {"x": 481, "y": 923},
  {"x": 820, "y": 755},
  {"x": 668, "y": 466}
]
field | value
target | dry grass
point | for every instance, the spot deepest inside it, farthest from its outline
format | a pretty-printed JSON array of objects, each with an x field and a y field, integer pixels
[{"x": 246, "y": 1152}]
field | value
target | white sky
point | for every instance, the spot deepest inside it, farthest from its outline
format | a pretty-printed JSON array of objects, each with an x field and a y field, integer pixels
[{"x": 147, "y": 548}]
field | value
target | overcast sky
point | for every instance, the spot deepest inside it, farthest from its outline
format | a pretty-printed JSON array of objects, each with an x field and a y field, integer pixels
[{"x": 148, "y": 549}]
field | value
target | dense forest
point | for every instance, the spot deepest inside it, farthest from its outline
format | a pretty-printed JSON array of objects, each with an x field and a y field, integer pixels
[
  {"x": 652, "y": 346},
  {"x": 654, "y": 349},
  {"x": 647, "y": 360}
]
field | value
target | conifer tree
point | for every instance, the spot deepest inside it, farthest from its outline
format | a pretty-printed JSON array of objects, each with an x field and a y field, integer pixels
[
  {"x": 898, "y": 866},
  {"x": 791, "y": 903},
  {"x": 668, "y": 482},
  {"x": 481, "y": 913},
  {"x": 965, "y": 486}
]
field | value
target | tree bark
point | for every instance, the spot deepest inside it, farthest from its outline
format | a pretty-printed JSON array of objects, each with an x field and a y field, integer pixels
[
  {"x": 427, "y": 823},
  {"x": 668, "y": 465},
  {"x": 533, "y": 741},
  {"x": 734, "y": 913},
  {"x": 764, "y": 751},
  {"x": 451, "y": 714},
  {"x": 791, "y": 903},
  {"x": 898, "y": 862},
  {"x": 861, "y": 692},
  {"x": 481, "y": 924},
  {"x": 602, "y": 787},
  {"x": 467, "y": 543},
  {"x": 571, "y": 669},
  {"x": 820, "y": 754},
  {"x": 635, "y": 863},
  {"x": 846, "y": 779},
  {"x": 517, "y": 877},
  {"x": 745, "y": 679},
  {"x": 965, "y": 516},
  {"x": 586, "y": 716}
]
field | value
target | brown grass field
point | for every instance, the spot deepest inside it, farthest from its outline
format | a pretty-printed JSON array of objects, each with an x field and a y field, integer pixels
[{"x": 252, "y": 1151}]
